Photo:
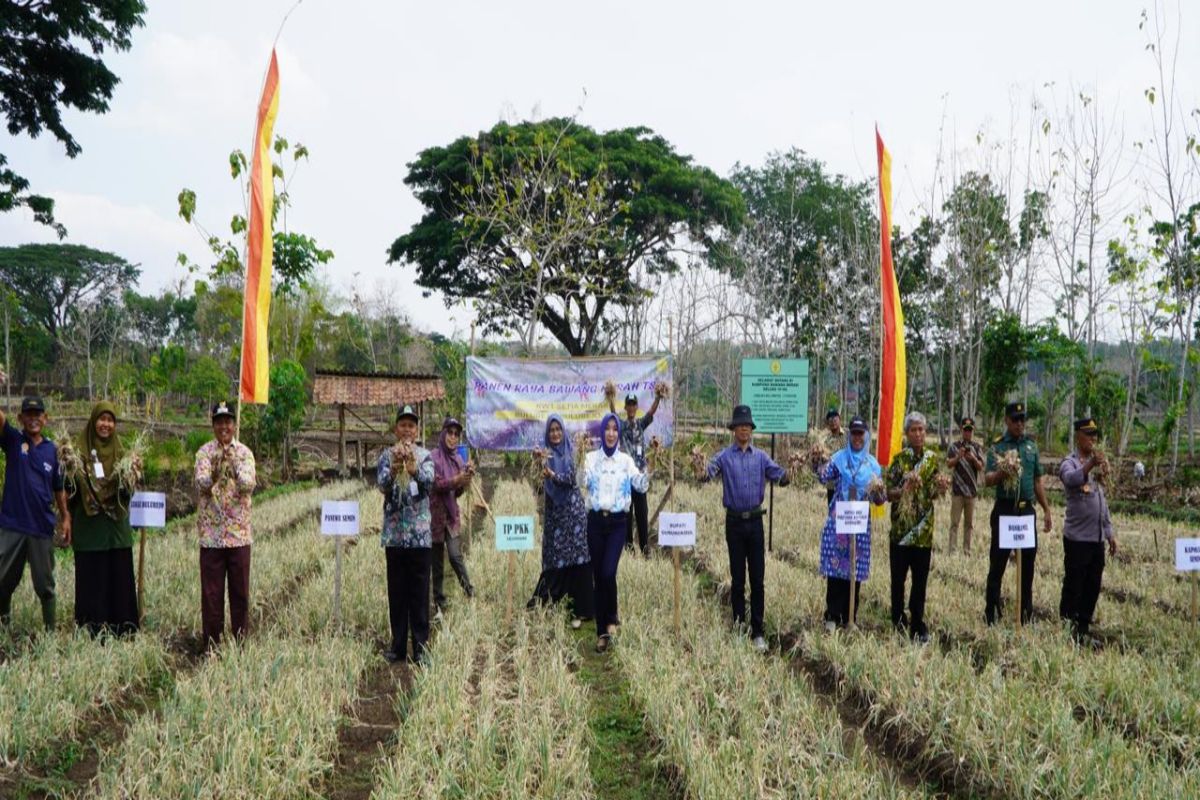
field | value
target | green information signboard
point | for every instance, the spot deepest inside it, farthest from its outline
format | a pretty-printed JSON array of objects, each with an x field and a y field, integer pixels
[{"x": 776, "y": 389}]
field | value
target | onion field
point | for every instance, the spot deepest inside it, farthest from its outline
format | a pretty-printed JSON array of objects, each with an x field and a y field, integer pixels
[{"x": 514, "y": 703}]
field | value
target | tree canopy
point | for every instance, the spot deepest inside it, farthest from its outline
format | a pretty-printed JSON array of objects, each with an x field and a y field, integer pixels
[
  {"x": 50, "y": 60},
  {"x": 549, "y": 221}
]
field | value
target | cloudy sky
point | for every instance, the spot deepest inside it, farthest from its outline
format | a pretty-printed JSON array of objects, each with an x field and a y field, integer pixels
[{"x": 366, "y": 85}]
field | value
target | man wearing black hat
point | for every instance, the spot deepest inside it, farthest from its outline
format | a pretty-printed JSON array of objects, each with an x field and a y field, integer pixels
[
  {"x": 633, "y": 442},
  {"x": 837, "y": 440},
  {"x": 225, "y": 477},
  {"x": 744, "y": 471},
  {"x": 1013, "y": 501},
  {"x": 1087, "y": 526},
  {"x": 965, "y": 460},
  {"x": 33, "y": 487}
]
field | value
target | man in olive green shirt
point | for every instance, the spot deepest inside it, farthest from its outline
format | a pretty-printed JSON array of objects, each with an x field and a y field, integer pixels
[{"x": 1014, "y": 503}]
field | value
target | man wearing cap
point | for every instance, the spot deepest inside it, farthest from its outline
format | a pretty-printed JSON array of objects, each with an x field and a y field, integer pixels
[
  {"x": 633, "y": 442},
  {"x": 965, "y": 460},
  {"x": 225, "y": 477},
  {"x": 405, "y": 476},
  {"x": 1087, "y": 526},
  {"x": 1011, "y": 502},
  {"x": 744, "y": 471},
  {"x": 33, "y": 488},
  {"x": 837, "y": 440}
]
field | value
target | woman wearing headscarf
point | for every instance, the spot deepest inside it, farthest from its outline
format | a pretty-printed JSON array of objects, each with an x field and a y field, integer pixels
[
  {"x": 854, "y": 474},
  {"x": 105, "y": 589},
  {"x": 611, "y": 478},
  {"x": 451, "y": 479},
  {"x": 566, "y": 571}
]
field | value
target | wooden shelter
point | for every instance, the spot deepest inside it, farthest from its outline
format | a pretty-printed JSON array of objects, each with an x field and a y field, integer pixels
[{"x": 372, "y": 389}]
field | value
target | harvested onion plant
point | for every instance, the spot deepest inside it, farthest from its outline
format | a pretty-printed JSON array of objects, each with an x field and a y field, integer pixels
[
  {"x": 69, "y": 458},
  {"x": 1009, "y": 463},
  {"x": 128, "y": 468}
]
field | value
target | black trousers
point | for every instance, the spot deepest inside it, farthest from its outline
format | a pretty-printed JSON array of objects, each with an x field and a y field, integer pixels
[
  {"x": 747, "y": 553},
  {"x": 639, "y": 513},
  {"x": 1083, "y": 568},
  {"x": 450, "y": 547},
  {"x": 837, "y": 600},
  {"x": 106, "y": 591},
  {"x": 408, "y": 597},
  {"x": 604, "y": 545},
  {"x": 998, "y": 562},
  {"x": 903, "y": 559}
]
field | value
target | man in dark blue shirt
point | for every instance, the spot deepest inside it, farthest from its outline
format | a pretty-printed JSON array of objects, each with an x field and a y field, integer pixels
[
  {"x": 33, "y": 486},
  {"x": 745, "y": 471}
]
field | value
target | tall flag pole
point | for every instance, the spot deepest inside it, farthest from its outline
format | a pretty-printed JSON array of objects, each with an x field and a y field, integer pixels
[
  {"x": 893, "y": 380},
  {"x": 256, "y": 306}
]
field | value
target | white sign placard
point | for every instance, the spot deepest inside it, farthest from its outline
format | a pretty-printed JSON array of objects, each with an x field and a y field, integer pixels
[
  {"x": 677, "y": 530},
  {"x": 850, "y": 517},
  {"x": 339, "y": 517},
  {"x": 1018, "y": 533},
  {"x": 1187, "y": 555},
  {"x": 148, "y": 510},
  {"x": 515, "y": 533}
]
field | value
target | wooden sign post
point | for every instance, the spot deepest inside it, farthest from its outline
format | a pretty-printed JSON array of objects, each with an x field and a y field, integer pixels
[
  {"x": 677, "y": 531},
  {"x": 513, "y": 535},
  {"x": 1187, "y": 559},
  {"x": 146, "y": 510},
  {"x": 1018, "y": 533},
  {"x": 339, "y": 519},
  {"x": 851, "y": 518}
]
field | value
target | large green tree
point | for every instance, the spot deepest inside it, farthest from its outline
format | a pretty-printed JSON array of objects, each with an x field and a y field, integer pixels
[
  {"x": 805, "y": 234},
  {"x": 52, "y": 281},
  {"x": 548, "y": 221},
  {"x": 49, "y": 61}
]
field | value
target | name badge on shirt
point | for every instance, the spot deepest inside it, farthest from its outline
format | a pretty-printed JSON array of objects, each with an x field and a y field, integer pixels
[
  {"x": 413, "y": 489},
  {"x": 98, "y": 469}
]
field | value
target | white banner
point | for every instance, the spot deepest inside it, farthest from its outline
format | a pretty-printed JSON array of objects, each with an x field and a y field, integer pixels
[
  {"x": 850, "y": 517},
  {"x": 1187, "y": 555},
  {"x": 148, "y": 510},
  {"x": 677, "y": 530},
  {"x": 339, "y": 518},
  {"x": 1018, "y": 533}
]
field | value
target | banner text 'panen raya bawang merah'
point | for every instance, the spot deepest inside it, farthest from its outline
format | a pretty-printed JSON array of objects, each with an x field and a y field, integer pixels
[{"x": 508, "y": 399}]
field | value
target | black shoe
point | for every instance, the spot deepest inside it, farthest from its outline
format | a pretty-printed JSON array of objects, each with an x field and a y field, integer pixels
[{"x": 391, "y": 656}]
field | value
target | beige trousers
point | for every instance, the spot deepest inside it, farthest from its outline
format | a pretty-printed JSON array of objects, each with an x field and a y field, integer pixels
[{"x": 962, "y": 508}]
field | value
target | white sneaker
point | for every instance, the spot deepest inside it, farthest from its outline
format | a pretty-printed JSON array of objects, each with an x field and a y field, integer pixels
[
  {"x": 830, "y": 626},
  {"x": 759, "y": 644}
]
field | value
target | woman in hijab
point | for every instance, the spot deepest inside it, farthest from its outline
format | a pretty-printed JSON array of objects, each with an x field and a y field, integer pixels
[
  {"x": 611, "y": 477},
  {"x": 105, "y": 590},
  {"x": 451, "y": 479},
  {"x": 566, "y": 571},
  {"x": 854, "y": 474}
]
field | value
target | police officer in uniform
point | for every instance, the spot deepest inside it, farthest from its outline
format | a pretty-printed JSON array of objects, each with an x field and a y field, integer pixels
[
  {"x": 1013, "y": 502},
  {"x": 1087, "y": 527}
]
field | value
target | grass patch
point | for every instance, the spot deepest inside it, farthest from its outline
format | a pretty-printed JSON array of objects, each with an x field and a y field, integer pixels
[{"x": 623, "y": 759}]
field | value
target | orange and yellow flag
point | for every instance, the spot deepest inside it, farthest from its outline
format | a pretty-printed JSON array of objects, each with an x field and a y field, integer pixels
[
  {"x": 893, "y": 379},
  {"x": 256, "y": 306}
]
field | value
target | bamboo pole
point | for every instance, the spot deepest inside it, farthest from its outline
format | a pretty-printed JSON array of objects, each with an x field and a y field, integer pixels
[
  {"x": 677, "y": 568},
  {"x": 1019, "y": 560},
  {"x": 142, "y": 566},
  {"x": 853, "y": 576}
]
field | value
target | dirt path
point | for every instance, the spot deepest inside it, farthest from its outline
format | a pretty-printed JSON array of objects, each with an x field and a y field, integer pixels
[{"x": 373, "y": 726}]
